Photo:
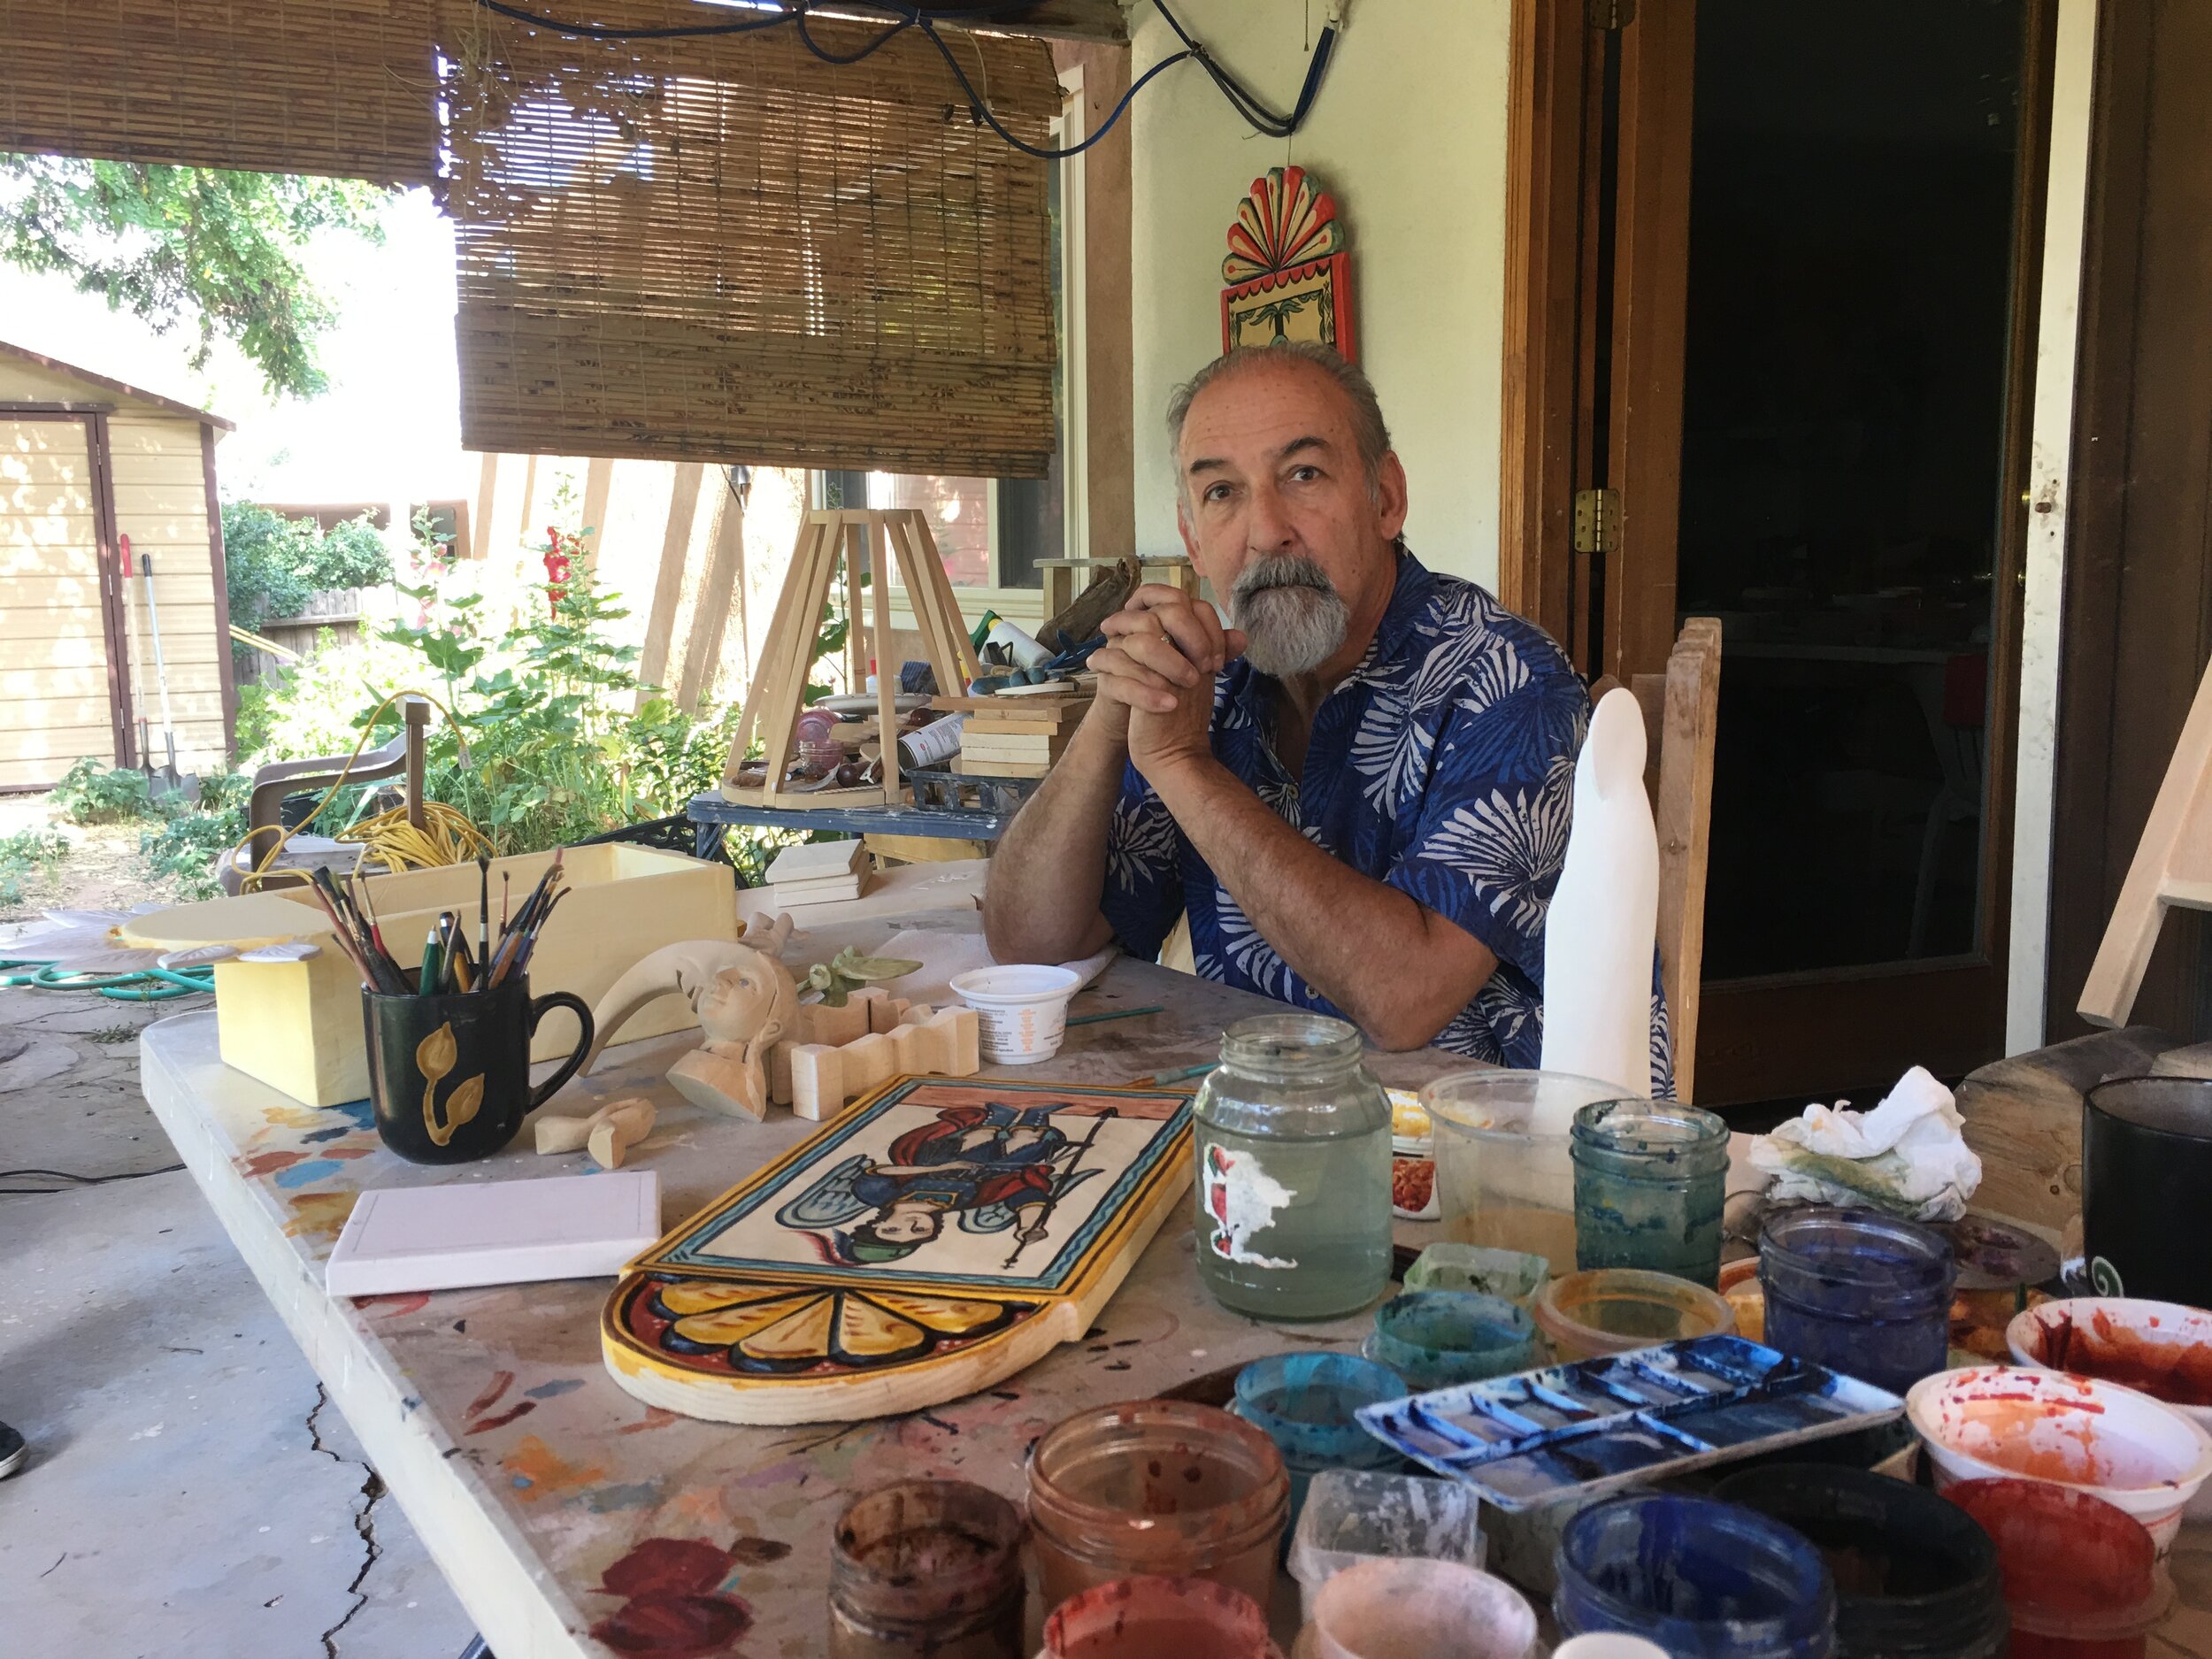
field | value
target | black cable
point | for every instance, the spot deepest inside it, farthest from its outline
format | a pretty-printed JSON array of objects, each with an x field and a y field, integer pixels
[
  {"x": 82, "y": 1181},
  {"x": 902, "y": 16}
]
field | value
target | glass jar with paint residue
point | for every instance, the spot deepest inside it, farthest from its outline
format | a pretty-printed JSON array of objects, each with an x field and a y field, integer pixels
[
  {"x": 926, "y": 1567},
  {"x": 1156, "y": 1486},
  {"x": 1292, "y": 1142},
  {"x": 1650, "y": 1179},
  {"x": 1858, "y": 1291}
]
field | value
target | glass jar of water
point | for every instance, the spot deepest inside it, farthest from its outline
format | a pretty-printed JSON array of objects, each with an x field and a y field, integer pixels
[{"x": 1293, "y": 1139}]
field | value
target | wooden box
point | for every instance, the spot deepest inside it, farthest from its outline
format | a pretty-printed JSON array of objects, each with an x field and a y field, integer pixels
[{"x": 296, "y": 1025}]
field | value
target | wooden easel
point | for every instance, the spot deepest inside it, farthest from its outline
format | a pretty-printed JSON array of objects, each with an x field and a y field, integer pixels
[
  {"x": 2172, "y": 867},
  {"x": 773, "y": 704}
]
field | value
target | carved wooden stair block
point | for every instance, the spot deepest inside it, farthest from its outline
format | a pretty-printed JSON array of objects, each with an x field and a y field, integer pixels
[{"x": 824, "y": 1079}]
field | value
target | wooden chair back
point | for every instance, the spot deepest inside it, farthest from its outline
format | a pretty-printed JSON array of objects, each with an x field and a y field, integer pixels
[{"x": 1681, "y": 715}]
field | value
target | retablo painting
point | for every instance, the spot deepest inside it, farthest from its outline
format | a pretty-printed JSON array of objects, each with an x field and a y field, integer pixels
[
  {"x": 937, "y": 1237},
  {"x": 1288, "y": 272}
]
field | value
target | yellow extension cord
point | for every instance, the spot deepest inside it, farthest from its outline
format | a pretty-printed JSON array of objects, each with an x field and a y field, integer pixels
[{"x": 447, "y": 836}]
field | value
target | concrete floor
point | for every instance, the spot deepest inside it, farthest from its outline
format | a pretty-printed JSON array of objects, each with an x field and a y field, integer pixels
[{"x": 188, "y": 1491}]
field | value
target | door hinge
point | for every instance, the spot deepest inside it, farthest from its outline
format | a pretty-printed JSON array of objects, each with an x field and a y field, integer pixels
[
  {"x": 1611, "y": 14},
  {"x": 1597, "y": 520}
]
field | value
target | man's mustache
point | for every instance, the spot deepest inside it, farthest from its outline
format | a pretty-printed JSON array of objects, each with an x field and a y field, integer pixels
[{"x": 1281, "y": 572}]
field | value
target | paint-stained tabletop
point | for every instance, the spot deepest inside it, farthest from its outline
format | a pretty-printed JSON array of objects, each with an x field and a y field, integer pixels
[{"x": 571, "y": 1518}]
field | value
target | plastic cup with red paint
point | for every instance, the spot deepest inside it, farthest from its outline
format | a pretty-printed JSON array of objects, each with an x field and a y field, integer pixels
[
  {"x": 2081, "y": 1575},
  {"x": 1146, "y": 1617}
]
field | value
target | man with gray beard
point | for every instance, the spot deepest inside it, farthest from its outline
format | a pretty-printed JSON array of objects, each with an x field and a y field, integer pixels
[{"x": 1357, "y": 787}]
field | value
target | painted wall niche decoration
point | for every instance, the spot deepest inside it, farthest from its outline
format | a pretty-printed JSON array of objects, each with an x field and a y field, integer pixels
[
  {"x": 1288, "y": 272},
  {"x": 936, "y": 1238}
]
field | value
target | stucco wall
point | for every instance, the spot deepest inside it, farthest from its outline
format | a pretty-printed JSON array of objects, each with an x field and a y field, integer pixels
[{"x": 1410, "y": 134}]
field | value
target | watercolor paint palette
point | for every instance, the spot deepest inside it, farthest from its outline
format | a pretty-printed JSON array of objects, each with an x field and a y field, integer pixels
[{"x": 1581, "y": 1428}]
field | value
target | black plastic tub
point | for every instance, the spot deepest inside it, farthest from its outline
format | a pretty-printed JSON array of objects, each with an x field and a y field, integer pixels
[{"x": 1916, "y": 1576}]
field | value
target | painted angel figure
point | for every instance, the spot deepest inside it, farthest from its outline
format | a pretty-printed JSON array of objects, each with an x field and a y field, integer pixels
[{"x": 993, "y": 1167}]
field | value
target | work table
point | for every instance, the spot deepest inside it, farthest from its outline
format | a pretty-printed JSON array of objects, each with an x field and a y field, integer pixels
[
  {"x": 529, "y": 1473},
  {"x": 551, "y": 1498}
]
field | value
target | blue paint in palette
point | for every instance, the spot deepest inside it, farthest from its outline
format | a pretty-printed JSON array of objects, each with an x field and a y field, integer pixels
[{"x": 1584, "y": 1428}]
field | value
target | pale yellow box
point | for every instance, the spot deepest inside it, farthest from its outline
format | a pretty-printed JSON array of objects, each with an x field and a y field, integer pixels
[{"x": 296, "y": 1025}]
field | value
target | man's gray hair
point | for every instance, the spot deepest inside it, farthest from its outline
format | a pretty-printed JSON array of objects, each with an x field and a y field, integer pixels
[{"x": 1369, "y": 432}]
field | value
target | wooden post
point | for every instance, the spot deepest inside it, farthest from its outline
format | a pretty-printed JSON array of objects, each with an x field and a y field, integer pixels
[
  {"x": 487, "y": 498},
  {"x": 726, "y": 568},
  {"x": 2172, "y": 867},
  {"x": 598, "y": 486},
  {"x": 417, "y": 714},
  {"x": 668, "y": 580}
]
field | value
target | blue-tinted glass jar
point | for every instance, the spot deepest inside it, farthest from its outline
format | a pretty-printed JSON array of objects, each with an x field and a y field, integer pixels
[
  {"x": 1859, "y": 1291},
  {"x": 1650, "y": 1180},
  {"x": 1703, "y": 1579}
]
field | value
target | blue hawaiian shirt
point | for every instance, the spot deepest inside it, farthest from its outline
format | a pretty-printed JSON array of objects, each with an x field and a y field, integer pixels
[{"x": 1443, "y": 766}]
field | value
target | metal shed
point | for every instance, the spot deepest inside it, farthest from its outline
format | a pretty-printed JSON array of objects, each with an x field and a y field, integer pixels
[{"x": 90, "y": 467}]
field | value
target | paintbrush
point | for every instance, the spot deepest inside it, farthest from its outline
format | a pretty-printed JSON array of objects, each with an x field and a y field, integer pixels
[
  {"x": 530, "y": 939},
  {"x": 483, "y": 907},
  {"x": 342, "y": 914},
  {"x": 340, "y": 938}
]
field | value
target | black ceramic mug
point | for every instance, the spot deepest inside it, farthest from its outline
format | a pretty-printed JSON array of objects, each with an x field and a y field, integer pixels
[
  {"x": 2146, "y": 1166},
  {"x": 449, "y": 1076}
]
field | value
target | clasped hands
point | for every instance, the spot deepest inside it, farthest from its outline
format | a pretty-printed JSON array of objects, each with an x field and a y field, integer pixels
[{"x": 1155, "y": 672}]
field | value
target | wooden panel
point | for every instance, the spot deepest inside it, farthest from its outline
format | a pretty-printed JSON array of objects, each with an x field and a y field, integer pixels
[
  {"x": 137, "y": 498},
  {"x": 65, "y": 742},
  {"x": 21, "y": 681},
  {"x": 2138, "y": 587},
  {"x": 49, "y": 589},
  {"x": 186, "y": 620},
  {"x": 27, "y": 538},
  {"x": 202, "y": 707},
  {"x": 131, "y": 436},
  {"x": 1109, "y": 430},
  {"x": 45, "y": 467}
]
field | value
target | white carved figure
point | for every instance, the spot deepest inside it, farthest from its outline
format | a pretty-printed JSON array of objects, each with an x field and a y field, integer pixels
[{"x": 1604, "y": 919}]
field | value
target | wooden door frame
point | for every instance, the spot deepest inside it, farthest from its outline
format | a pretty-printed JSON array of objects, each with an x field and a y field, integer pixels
[
  {"x": 1550, "y": 231},
  {"x": 1555, "y": 244},
  {"x": 99, "y": 454}
]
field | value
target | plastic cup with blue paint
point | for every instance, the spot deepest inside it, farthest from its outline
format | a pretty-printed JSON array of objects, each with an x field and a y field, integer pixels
[
  {"x": 1650, "y": 1179},
  {"x": 1703, "y": 1579},
  {"x": 1434, "y": 1338},
  {"x": 1305, "y": 1402}
]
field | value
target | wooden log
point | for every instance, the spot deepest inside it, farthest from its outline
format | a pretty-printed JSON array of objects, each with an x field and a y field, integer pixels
[{"x": 2024, "y": 1120}]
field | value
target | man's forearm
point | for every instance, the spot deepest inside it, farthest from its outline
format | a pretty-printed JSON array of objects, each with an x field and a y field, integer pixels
[
  {"x": 1041, "y": 901},
  {"x": 1397, "y": 968}
]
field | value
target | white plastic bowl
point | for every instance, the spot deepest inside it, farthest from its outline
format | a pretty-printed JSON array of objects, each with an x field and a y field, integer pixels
[
  {"x": 1996, "y": 1422},
  {"x": 1022, "y": 1009},
  {"x": 2109, "y": 1323}
]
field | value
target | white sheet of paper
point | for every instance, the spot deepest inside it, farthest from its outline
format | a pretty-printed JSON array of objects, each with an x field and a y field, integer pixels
[{"x": 494, "y": 1233}]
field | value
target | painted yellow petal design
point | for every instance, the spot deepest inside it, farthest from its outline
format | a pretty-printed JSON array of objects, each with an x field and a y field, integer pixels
[
  {"x": 705, "y": 1296},
  {"x": 802, "y": 1334},
  {"x": 940, "y": 1314},
  {"x": 460, "y": 1106},
  {"x": 720, "y": 1326},
  {"x": 866, "y": 1330},
  {"x": 436, "y": 1054}
]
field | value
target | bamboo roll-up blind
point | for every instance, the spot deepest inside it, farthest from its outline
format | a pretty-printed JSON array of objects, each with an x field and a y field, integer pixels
[
  {"x": 724, "y": 249},
  {"x": 340, "y": 87}
]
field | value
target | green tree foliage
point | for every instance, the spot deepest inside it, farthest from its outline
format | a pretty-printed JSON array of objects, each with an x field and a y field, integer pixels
[
  {"x": 177, "y": 245},
  {"x": 275, "y": 565}
]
